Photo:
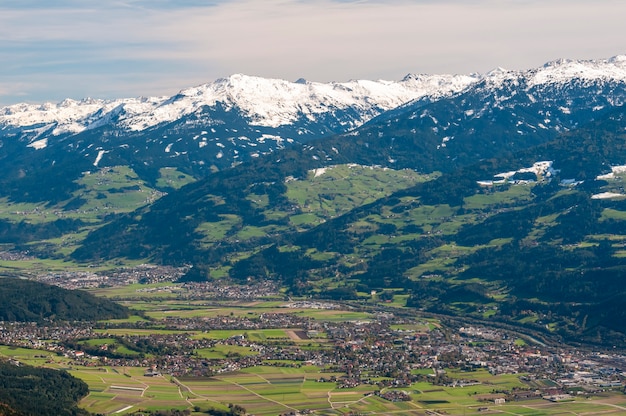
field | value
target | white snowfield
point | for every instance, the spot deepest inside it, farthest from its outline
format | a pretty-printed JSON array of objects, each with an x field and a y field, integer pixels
[
  {"x": 564, "y": 70},
  {"x": 615, "y": 170},
  {"x": 607, "y": 195},
  {"x": 542, "y": 169},
  {"x": 267, "y": 102},
  {"x": 275, "y": 102}
]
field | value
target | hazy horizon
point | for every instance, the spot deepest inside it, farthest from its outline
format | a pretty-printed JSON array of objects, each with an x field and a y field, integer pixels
[{"x": 77, "y": 49}]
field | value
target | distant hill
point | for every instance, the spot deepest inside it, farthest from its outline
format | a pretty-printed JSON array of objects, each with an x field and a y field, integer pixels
[
  {"x": 513, "y": 212},
  {"x": 546, "y": 253},
  {"x": 532, "y": 238},
  {"x": 25, "y": 301},
  {"x": 501, "y": 114}
]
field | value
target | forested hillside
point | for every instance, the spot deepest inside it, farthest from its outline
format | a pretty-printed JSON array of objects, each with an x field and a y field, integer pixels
[
  {"x": 529, "y": 238},
  {"x": 30, "y": 391},
  {"x": 26, "y": 300}
]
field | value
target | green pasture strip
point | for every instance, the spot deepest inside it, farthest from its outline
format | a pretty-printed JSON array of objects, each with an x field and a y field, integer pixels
[
  {"x": 252, "y": 335},
  {"x": 376, "y": 405},
  {"x": 25, "y": 353},
  {"x": 333, "y": 315},
  {"x": 102, "y": 403},
  {"x": 98, "y": 341},
  {"x": 191, "y": 312},
  {"x": 223, "y": 351},
  {"x": 513, "y": 194},
  {"x": 132, "y": 331},
  {"x": 23, "y": 211},
  {"x": 250, "y": 231},
  {"x": 127, "y": 351},
  {"x": 133, "y": 319},
  {"x": 34, "y": 267},
  {"x": 411, "y": 327},
  {"x": 335, "y": 190},
  {"x": 165, "y": 308},
  {"x": 310, "y": 219},
  {"x": 137, "y": 290},
  {"x": 216, "y": 231},
  {"x": 173, "y": 178},
  {"x": 168, "y": 392},
  {"x": 435, "y": 265},
  {"x": 612, "y": 214},
  {"x": 482, "y": 375}
]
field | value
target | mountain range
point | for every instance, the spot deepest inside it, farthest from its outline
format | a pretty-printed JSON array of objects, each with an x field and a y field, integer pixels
[
  {"x": 214, "y": 126},
  {"x": 200, "y": 129},
  {"x": 495, "y": 196}
]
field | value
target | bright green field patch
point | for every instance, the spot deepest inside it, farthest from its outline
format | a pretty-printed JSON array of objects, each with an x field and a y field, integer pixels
[
  {"x": 173, "y": 178},
  {"x": 252, "y": 335},
  {"x": 613, "y": 214},
  {"x": 411, "y": 327},
  {"x": 28, "y": 212},
  {"x": 215, "y": 231},
  {"x": 376, "y": 405},
  {"x": 23, "y": 353},
  {"x": 114, "y": 190},
  {"x": 333, "y": 315},
  {"x": 135, "y": 290},
  {"x": 335, "y": 190},
  {"x": 249, "y": 232},
  {"x": 224, "y": 351},
  {"x": 133, "y": 319},
  {"x": 169, "y": 393},
  {"x": 98, "y": 341},
  {"x": 302, "y": 219},
  {"x": 132, "y": 331},
  {"x": 266, "y": 390},
  {"x": 514, "y": 194}
]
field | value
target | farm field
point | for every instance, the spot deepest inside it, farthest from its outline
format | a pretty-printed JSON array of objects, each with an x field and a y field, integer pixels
[
  {"x": 165, "y": 304},
  {"x": 286, "y": 386},
  {"x": 219, "y": 353}
]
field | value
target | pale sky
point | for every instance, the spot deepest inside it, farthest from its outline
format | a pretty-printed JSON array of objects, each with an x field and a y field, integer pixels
[{"x": 56, "y": 49}]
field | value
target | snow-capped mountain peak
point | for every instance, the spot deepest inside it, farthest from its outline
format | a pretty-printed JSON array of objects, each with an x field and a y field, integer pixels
[
  {"x": 564, "y": 70},
  {"x": 222, "y": 123},
  {"x": 266, "y": 102},
  {"x": 275, "y": 102}
]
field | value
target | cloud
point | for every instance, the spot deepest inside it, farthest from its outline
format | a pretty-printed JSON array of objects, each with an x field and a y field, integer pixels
[
  {"x": 153, "y": 47},
  {"x": 331, "y": 40}
]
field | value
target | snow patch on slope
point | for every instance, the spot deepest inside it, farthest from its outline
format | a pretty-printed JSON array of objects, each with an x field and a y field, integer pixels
[
  {"x": 275, "y": 102},
  {"x": 543, "y": 169},
  {"x": 39, "y": 144},
  {"x": 615, "y": 170},
  {"x": 607, "y": 195},
  {"x": 99, "y": 157}
]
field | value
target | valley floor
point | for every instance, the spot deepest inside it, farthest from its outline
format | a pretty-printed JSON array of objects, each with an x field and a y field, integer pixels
[{"x": 191, "y": 349}]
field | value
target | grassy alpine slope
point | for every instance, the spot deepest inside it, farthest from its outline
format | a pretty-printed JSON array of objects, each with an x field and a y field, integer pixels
[{"x": 546, "y": 253}]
